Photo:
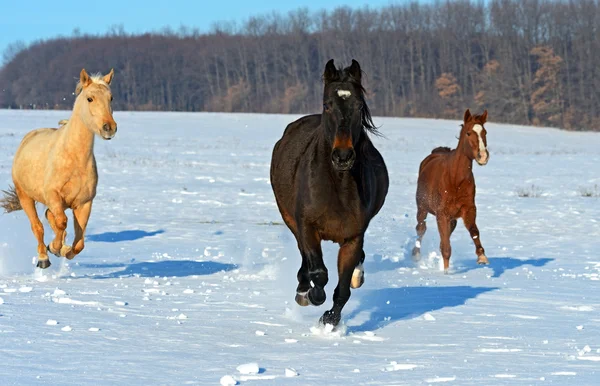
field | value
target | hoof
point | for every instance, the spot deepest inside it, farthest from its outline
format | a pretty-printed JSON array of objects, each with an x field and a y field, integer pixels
[
  {"x": 43, "y": 263},
  {"x": 302, "y": 299},
  {"x": 330, "y": 317},
  {"x": 482, "y": 260},
  {"x": 358, "y": 277},
  {"x": 416, "y": 254},
  {"x": 446, "y": 271},
  {"x": 316, "y": 296},
  {"x": 52, "y": 251},
  {"x": 64, "y": 251}
]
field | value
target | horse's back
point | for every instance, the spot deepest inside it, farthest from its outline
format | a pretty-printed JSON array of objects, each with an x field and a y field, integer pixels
[
  {"x": 31, "y": 159},
  {"x": 431, "y": 172}
]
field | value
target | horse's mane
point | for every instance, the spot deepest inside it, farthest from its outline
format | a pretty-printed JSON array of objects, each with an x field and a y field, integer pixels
[
  {"x": 96, "y": 78},
  {"x": 441, "y": 149}
]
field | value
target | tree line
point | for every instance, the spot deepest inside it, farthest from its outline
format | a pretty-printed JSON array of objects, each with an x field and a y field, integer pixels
[{"x": 525, "y": 61}]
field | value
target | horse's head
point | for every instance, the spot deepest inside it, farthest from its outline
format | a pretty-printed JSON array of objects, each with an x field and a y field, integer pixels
[
  {"x": 95, "y": 99},
  {"x": 345, "y": 113},
  {"x": 474, "y": 139}
]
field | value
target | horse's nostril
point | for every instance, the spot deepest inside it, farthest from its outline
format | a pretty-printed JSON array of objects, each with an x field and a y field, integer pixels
[
  {"x": 342, "y": 156},
  {"x": 106, "y": 127}
]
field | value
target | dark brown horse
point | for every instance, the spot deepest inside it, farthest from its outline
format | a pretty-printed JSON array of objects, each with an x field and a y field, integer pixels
[
  {"x": 446, "y": 187},
  {"x": 329, "y": 182}
]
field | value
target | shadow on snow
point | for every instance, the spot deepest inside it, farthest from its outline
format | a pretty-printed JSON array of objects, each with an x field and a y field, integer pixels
[
  {"x": 129, "y": 235},
  {"x": 500, "y": 264},
  {"x": 167, "y": 268},
  {"x": 408, "y": 303}
]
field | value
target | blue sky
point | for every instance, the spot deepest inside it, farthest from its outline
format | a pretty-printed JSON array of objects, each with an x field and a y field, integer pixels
[{"x": 41, "y": 19}]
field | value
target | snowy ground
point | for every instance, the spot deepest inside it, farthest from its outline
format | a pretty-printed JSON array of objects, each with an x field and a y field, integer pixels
[{"x": 188, "y": 271}]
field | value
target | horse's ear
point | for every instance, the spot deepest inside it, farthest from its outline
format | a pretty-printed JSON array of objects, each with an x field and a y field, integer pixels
[
  {"x": 331, "y": 73},
  {"x": 84, "y": 78},
  {"x": 467, "y": 115},
  {"x": 355, "y": 71},
  {"x": 108, "y": 77},
  {"x": 484, "y": 117}
]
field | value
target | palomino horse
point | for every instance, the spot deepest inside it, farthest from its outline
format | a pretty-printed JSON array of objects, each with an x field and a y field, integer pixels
[
  {"x": 446, "y": 187},
  {"x": 57, "y": 168},
  {"x": 329, "y": 182}
]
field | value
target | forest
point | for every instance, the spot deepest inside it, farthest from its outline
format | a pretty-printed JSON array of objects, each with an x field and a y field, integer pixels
[{"x": 532, "y": 62}]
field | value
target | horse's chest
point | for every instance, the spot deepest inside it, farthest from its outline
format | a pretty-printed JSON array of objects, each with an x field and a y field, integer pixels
[
  {"x": 340, "y": 221},
  {"x": 81, "y": 187},
  {"x": 455, "y": 199}
]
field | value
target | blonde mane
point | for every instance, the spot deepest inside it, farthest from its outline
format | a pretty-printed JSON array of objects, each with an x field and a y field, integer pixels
[{"x": 95, "y": 78}]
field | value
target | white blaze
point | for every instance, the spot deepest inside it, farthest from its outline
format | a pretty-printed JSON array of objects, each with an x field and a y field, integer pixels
[
  {"x": 343, "y": 93},
  {"x": 478, "y": 128}
]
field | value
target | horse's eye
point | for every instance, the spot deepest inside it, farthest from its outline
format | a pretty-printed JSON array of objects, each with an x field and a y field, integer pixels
[
  {"x": 326, "y": 106},
  {"x": 90, "y": 100},
  {"x": 468, "y": 133},
  {"x": 111, "y": 98}
]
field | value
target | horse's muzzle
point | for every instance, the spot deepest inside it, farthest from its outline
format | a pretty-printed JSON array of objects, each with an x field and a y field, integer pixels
[
  {"x": 108, "y": 131},
  {"x": 343, "y": 159},
  {"x": 483, "y": 159}
]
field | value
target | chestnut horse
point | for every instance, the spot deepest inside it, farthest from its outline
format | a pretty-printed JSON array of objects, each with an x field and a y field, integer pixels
[
  {"x": 329, "y": 182},
  {"x": 446, "y": 187},
  {"x": 57, "y": 168}
]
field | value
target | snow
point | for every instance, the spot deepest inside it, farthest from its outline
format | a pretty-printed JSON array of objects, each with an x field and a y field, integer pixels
[{"x": 188, "y": 271}]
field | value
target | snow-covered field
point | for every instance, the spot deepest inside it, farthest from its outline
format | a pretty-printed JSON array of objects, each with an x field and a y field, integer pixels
[{"x": 189, "y": 273}]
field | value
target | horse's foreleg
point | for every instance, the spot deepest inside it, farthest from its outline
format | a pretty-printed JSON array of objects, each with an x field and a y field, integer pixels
[
  {"x": 309, "y": 243},
  {"x": 81, "y": 216},
  {"x": 303, "y": 283},
  {"x": 349, "y": 257},
  {"x": 37, "y": 227},
  {"x": 58, "y": 250},
  {"x": 358, "y": 276},
  {"x": 58, "y": 223},
  {"x": 445, "y": 227},
  {"x": 469, "y": 219},
  {"x": 421, "y": 229}
]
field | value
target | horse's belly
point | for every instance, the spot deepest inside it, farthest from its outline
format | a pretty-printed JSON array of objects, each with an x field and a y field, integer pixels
[{"x": 339, "y": 228}]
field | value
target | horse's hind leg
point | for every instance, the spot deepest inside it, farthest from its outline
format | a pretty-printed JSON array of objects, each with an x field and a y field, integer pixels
[
  {"x": 444, "y": 228},
  {"x": 452, "y": 226},
  {"x": 81, "y": 215},
  {"x": 58, "y": 250},
  {"x": 350, "y": 254},
  {"x": 36, "y": 226},
  {"x": 421, "y": 229},
  {"x": 469, "y": 219}
]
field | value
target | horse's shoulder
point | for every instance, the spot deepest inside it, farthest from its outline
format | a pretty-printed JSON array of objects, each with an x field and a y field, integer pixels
[{"x": 307, "y": 122}]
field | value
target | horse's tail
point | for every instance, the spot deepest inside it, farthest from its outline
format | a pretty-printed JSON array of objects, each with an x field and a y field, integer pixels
[
  {"x": 441, "y": 149},
  {"x": 10, "y": 202},
  {"x": 62, "y": 122}
]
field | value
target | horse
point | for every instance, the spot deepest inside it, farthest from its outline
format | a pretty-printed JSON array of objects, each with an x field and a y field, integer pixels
[
  {"x": 57, "y": 168},
  {"x": 329, "y": 181},
  {"x": 446, "y": 187}
]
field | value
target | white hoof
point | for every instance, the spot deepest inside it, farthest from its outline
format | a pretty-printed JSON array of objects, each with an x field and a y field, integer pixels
[
  {"x": 358, "y": 277},
  {"x": 482, "y": 260}
]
